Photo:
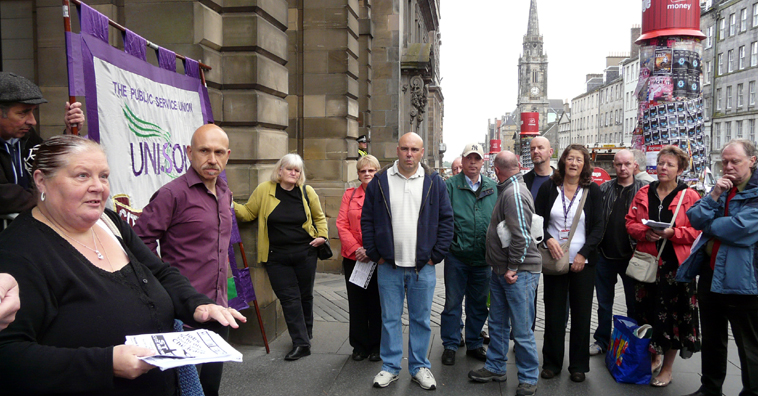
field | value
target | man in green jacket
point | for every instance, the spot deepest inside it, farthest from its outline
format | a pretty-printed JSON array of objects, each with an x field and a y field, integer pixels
[{"x": 473, "y": 199}]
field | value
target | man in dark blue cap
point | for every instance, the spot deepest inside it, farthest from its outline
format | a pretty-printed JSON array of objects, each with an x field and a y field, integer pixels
[{"x": 19, "y": 98}]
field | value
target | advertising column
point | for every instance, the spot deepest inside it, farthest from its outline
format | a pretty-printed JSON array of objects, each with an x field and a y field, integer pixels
[
  {"x": 670, "y": 84},
  {"x": 530, "y": 129}
]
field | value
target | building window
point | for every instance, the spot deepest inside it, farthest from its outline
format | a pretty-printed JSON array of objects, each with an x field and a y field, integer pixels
[
  {"x": 739, "y": 129},
  {"x": 743, "y": 20},
  {"x": 721, "y": 64},
  {"x": 709, "y": 41},
  {"x": 728, "y": 97},
  {"x": 707, "y": 72},
  {"x": 722, "y": 29},
  {"x": 751, "y": 125},
  {"x": 718, "y": 99},
  {"x": 730, "y": 61},
  {"x": 751, "y": 93},
  {"x": 728, "y": 134},
  {"x": 740, "y": 94},
  {"x": 754, "y": 54},
  {"x": 717, "y": 134},
  {"x": 742, "y": 57},
  {"x": 755, "y": 15},
  {"x": 732, "y": 24}
]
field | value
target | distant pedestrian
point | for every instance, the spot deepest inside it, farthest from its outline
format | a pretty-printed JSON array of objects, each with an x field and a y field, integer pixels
[
  {"x": 455, "y": 168},
  {"x": 558, "y": 203},
  {"x": 541, "y": 153},
  {"x": 640, "y": 173},
  {"x": 725, "y": 259},
  {"x": 467, "y": 274},
  {"x": 363, "y": 303},
  {"x": 362, "y": 145},
  {"x": 407, "y": 226},
  {"x": 670, "y": 307},
  {"x": 516, "y": 265},
  {"x": 616, "y": 247}
]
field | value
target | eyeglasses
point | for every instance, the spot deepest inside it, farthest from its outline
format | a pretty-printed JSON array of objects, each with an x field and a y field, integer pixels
[{"x": 367, "y": 171}]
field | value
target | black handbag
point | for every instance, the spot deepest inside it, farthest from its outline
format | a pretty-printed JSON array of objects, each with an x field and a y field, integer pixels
[{"x": 324, "y": 251}]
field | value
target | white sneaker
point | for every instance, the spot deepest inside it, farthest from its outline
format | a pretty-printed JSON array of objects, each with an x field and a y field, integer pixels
[
  {"x": 383, "y": 379},
  {"x": 425, "y": 379},
  {"x": 596, "y": 349}
]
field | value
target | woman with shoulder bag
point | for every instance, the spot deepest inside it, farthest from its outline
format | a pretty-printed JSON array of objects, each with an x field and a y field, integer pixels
[
  {"x": 559, "y": 201},
  {"x": 291, "y": 226},
  {"x": 669, "y": 307}
]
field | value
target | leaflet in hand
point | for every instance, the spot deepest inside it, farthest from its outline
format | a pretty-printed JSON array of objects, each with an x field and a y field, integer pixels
[
  {"x": 656, "y": 225},
  {"x": 185, "y": 348},
  {"x": 362, "y": 273}
]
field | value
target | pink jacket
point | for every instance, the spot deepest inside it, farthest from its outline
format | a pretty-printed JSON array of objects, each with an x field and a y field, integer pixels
[
  {"x": 684, "y": 233},
  {"x": 349, "y": 221}
]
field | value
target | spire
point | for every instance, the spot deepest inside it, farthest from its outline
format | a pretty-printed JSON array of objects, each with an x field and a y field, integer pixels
[{"x": 534, "y": 24}]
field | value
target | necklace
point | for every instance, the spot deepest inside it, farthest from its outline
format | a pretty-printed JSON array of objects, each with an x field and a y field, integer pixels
[{"x": 95, "y": 250}]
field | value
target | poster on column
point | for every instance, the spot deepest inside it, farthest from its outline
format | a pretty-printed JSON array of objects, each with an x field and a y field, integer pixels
[{"x": 143, "y": 116}]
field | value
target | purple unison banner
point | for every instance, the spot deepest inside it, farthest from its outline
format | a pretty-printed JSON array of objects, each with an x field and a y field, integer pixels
[{"x": 143, "y": 115}]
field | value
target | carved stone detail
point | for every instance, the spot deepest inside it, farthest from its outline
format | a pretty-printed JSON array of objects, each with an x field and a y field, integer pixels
[{"x": 419, "y": 92}]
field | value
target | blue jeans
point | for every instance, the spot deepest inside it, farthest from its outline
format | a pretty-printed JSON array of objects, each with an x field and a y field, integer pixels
[
  {"x": 606, "y": 275},
  {"x": 514, "y": 302},
  {"x": 393, "y": 283},
  {"x": 473, "y": 282}
]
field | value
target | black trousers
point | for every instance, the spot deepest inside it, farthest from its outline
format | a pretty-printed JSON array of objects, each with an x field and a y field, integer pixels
[
  {"x": 578, "y": 288},
  {"x": 292, "y": 272},
  {"x": 717, "y": 312},
  {"x": 210, "y": 373},
  {"x": 365, "y": 312}
]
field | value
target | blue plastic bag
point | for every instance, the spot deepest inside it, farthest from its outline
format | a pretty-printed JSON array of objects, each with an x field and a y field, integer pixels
[{"x": 628, "y": 358}]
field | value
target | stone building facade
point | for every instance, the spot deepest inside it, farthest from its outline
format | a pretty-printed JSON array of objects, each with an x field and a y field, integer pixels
[
  {"x": 288, "y": 76},
  {"x": 730, "y": 60}
]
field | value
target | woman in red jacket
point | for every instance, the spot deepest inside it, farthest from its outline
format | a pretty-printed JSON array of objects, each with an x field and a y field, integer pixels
[
  {"x": 669, "y": 307},
  {"x": 365, "y": 311}
]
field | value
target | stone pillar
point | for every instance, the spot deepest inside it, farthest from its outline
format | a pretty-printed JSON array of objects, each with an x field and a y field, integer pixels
[
  {"x": 385, "y": 97},
  {"x": 325, "y": 44},
  {"x": 365, "y": 72}
]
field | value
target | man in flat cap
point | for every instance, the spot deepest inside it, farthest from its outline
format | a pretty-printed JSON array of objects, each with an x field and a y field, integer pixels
[
  {"x": 19, "y": 98},
  {"x": 362, "y": 145}
]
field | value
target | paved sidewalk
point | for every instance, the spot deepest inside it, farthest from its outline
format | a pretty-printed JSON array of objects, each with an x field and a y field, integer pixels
[{"x": 330, "y": 371}]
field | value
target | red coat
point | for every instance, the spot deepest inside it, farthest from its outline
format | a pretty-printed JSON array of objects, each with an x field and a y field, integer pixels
[
  {"x": 349, "y": 221},
  {"x": 684, "y": 233}
]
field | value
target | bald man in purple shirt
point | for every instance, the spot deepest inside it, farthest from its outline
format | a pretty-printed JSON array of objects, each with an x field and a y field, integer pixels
[{"x": 191, "y": 217}]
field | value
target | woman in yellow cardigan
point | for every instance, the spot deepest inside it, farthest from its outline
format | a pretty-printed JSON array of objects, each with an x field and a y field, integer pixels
[{"x": 287, "y": 242}]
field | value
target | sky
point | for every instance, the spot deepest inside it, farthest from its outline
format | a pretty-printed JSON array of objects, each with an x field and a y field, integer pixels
[{"x": 481, "y": 45}]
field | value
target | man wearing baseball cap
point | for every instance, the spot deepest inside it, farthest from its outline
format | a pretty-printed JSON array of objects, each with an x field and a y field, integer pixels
[
  {"x": 19, "y": 98},
  {"x": 473, "y": 199}
]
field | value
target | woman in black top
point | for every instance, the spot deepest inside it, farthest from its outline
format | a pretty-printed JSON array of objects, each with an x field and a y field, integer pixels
[
  {"x": 558, "y": 202},
  {"x": 84, "y": 288},
  {"x": 290, "y": 227}
]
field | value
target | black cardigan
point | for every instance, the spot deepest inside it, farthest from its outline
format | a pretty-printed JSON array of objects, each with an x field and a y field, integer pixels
[
  {"x": 73, "y": 313},
  {"x": 593, "y": 216}
]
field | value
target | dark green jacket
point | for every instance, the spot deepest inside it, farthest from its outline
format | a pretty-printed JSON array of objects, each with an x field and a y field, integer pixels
[{"x": 472, "y": 212}]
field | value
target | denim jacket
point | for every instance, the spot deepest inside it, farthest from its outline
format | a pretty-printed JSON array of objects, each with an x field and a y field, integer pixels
[{"x": 736, "y": 271}]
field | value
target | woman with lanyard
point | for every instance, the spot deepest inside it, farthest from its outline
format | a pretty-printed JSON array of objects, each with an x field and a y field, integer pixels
[{"x": 558, "y": 201}]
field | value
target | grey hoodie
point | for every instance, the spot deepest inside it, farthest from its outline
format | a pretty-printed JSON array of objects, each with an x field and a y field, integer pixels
[{"x": 514, "y": 206}]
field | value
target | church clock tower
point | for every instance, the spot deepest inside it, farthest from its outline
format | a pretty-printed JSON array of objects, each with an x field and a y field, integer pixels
[{"x": 532, "y": 67}]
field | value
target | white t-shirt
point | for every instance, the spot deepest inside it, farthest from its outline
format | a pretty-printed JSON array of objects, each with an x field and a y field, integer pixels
[
  {"x": 405, "y": 204},
  {"x": 559, "y": 230}
]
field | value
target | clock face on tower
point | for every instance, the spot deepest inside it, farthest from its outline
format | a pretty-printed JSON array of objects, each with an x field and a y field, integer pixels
[{"x": 535, "y": 91}]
